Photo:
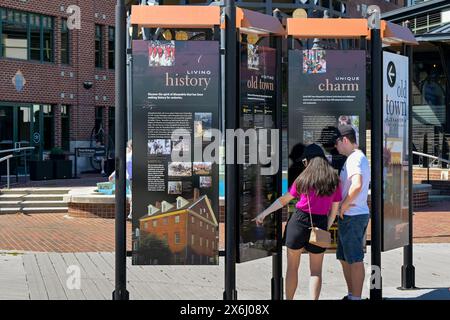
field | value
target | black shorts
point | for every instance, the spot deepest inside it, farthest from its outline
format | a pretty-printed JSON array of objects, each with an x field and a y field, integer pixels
[{"x": 298, "y": 230}]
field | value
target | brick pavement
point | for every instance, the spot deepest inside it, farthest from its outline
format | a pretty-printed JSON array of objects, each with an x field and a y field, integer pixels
[{"x": 59, "y": 233}]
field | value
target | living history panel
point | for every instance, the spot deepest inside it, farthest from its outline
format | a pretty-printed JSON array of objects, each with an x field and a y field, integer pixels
[{"x": 176, "y": 96}]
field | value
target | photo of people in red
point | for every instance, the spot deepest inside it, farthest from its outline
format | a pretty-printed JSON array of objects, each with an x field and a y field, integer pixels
[
  {"x": 314, "y": 61},
  {"x": 161, "y": 53}
]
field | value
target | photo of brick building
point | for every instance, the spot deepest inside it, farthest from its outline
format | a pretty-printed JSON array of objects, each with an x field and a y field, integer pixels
[{"x": 185, "y": 232}]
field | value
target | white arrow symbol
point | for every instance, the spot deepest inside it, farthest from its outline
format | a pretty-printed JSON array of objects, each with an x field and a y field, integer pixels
[{"x": 391, "y": 74}]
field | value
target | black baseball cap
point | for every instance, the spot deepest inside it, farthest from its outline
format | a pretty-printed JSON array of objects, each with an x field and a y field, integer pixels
[
  {"x": 344, "y": 130},
  {"x": 311, "y": 151}
]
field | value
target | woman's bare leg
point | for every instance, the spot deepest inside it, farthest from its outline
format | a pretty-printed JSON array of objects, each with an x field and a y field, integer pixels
[{"x": 293, "y": 263}]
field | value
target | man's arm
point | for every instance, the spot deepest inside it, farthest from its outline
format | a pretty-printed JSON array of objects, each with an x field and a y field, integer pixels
[{"x": 355, "y": 189}]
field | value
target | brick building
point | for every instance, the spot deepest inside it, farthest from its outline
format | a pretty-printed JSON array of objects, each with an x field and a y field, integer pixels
[{"x": 56, "y": 82}]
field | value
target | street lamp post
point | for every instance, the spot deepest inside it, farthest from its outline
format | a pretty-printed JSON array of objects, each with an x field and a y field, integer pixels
[
  {"x": 120, "y": 292},
  {"x": 376, "y": 109},
  {"x": 231, "y": 170}
]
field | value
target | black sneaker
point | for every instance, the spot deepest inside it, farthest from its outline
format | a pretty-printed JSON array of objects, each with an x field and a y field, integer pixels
[{"x": 345, "y": 298}]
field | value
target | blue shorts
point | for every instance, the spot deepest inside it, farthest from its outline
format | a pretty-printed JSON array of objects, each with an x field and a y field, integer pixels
[{"x": 351, "y": 238}]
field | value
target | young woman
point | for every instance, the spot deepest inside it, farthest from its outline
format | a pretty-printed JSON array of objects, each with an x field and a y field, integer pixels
[{"x": 318, "y": 190}]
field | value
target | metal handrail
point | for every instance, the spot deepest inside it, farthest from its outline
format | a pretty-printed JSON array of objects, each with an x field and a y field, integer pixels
[
  {"x": 431, "y": 157},
  {"x": 17, "y": 149},
  {"x": 11, "y": 156},
  {"x": 7, "y": 168}
]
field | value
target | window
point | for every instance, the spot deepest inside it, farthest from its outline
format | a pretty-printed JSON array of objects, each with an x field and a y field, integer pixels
[
  {"x": 165, "y": 237},
  {"x": 14, "y": 34},
  {"x": 201, "y": 223},
  {"x": 111, "y": 128},
  {"x": 35, "y": 37},
  {"x": 99, "y": 46},
  {"x": 49, "y": 132},
  {"x": 192, "y": 239},
  {"x": 111, "y": 47},
  {"x": 65, "y": 43},
  {"x": 177, "y": 219},
  {"x": 177, "y": 238},
  {"x": 99, "y": 133},
  {"x": 165, "y": 221},
  {"x": 47, "y": 45},
  {"x": 26, "y": 36},
  {"x": 145, "y": 225},
  {"x": 326, "y": 3},
  {"x": 207, "y": 243},
  {"x": 65, "y": 128},
  {"x": 192, "y": 219},
  {"x": 155, "y": 223},
  {"x": 201, "y": 241},
  {"x": 207, "y": 226}
]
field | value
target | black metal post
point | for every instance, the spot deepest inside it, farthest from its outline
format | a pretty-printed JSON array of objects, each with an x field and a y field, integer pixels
[
  {"x": 120, "y": 292},
  {"x": 231, "y": 166},
  {"x": 76, "y": 164},
  {"x": 376, "y": 154},
  {"x": 408, "y": 270},
  {"x": 277, "y": 259}
]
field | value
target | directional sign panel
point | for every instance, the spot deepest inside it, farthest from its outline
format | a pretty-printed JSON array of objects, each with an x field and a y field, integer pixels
[{"x": 395, "y": 151}]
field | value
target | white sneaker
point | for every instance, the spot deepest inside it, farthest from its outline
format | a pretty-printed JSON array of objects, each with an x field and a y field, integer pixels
[{"x": 130, "y": 217}]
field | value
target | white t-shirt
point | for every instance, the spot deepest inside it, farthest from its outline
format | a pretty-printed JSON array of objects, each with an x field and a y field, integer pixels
[{"x": 356, "y": 163}]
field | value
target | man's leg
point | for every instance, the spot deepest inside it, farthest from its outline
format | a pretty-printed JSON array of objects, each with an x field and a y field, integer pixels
[
  {"x": 357, "y": 276},
  {"x": 347, "y": 275}
]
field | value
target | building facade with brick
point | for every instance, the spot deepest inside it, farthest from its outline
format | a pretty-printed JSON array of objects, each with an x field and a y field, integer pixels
[
  {"x": 57, "y": 77},
  {"x": 187, "y": 228},
  {"x": 56, "y": 74}
]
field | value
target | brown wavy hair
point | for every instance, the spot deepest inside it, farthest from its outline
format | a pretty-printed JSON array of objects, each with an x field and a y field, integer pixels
[{"x": 319, "y": 176}]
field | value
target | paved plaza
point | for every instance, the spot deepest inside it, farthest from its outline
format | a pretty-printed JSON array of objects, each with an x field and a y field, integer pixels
[
  {"x": 36, "y": 251},
  {"x": 44, "y": 276}
]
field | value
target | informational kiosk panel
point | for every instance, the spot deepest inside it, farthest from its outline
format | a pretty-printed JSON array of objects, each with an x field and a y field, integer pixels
[
  {"x": 326, "y": 88},
  {"x": 395, "y": 151},
  {"x": 176, "y": 96},
  {"x": 257, "y": 188}
]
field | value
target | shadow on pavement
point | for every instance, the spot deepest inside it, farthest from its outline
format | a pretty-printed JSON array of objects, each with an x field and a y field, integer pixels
[{"x": 434, "y": 294}]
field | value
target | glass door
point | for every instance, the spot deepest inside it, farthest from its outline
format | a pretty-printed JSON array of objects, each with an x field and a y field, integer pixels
[
  {"x": 6, "y": 128},
  {"x": 23, "y": 122}
]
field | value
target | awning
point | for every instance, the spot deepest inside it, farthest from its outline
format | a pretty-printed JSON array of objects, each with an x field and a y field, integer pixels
[
  {"x": 248, "y": 21},
  {"x": 393, "y": 34},
  {"x": 187, "y": 17},
  {"x": 327, "y": 28}
]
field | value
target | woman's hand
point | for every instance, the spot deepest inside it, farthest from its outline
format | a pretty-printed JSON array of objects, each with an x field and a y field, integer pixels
[{"x": 259, "y": 219}]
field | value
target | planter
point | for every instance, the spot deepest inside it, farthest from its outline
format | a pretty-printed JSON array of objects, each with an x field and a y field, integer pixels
[
  {"x": 41, "y": 170},
  {"x": 62, "y": 169},
  {"x": 110, "y": 166},
  {"x": 57, "y": 157}
]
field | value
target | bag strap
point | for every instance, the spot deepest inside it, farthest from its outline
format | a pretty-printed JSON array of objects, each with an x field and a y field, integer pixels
[{"x": 310, "y": 214}]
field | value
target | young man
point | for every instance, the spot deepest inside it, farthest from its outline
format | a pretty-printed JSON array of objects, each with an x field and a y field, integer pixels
[{"x": 354, "y": 211}]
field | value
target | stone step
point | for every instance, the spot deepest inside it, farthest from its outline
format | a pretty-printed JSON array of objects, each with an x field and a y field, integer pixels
[
  {"x": 31, "y": 197},
  {"x": 32, "y": 204},
  {"x": 434, "y": 192},
  {"x": 33, "y": 210},
  {"x": 439, "y": 198},
  {"x": 46, "y": 191}
]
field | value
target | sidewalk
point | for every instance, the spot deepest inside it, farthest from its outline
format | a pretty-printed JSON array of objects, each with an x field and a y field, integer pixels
[{"x": 44, "y": 276}]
